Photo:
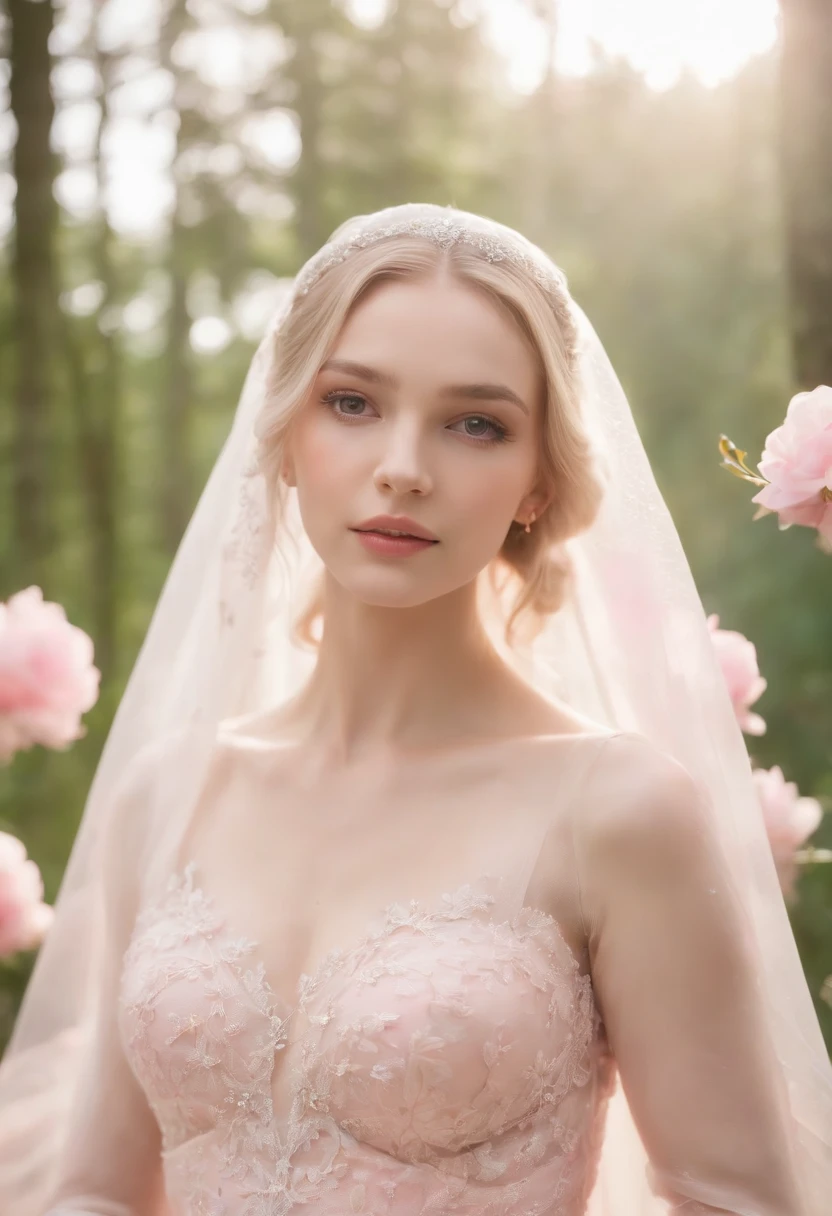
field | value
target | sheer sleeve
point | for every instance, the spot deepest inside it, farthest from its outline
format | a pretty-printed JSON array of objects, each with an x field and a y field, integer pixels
[
  {"x": 112, "y": 1162},
  {"x": 675, "y": 980}
]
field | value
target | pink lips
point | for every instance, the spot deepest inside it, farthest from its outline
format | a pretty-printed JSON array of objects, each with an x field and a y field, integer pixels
[
  {"x": 392, "y": 546},
  {"x": 395, "y": 523}
]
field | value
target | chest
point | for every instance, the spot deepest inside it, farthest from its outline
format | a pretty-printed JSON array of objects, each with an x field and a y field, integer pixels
[
  {"x": 303, "y": 861},
  {"x": 437, "y": 1027}
]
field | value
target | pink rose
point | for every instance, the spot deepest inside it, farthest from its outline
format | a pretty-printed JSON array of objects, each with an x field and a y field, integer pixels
[
  {"x": 47, "y": 679},
  {"x": 797, "y": 462},
  {"x": 24, "y": 917},
  {"x": 738, "y": 660},
  {"x": 789, "y": 820}
]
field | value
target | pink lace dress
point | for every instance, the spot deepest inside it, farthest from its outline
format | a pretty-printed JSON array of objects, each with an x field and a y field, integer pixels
[
  {"x": 453, "y": 1053},
  {"x": 452, "y": 1061}
]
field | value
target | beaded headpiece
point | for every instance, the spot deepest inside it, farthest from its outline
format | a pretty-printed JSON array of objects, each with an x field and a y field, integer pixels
[{"x": 443, "y": 227}]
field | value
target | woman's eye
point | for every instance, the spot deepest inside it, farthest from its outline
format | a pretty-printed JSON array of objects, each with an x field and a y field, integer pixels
[
  {"x": 486, "y": 430},
  {"x": 477, "y": 426},
  {"x": 349, "y": 404}
]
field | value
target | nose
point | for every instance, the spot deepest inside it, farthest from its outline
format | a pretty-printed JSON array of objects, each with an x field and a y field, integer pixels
[{"x": 401, "y": 468}]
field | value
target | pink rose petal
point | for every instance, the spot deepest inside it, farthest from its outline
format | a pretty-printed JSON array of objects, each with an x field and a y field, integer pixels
[
  {"x": 797, "y": 461},
  {"x": 789, "y": 819},
  {"x": 24, "y": 917},
  {"x": 738, "y": 660},
  {"x": 47, "y": 677}
]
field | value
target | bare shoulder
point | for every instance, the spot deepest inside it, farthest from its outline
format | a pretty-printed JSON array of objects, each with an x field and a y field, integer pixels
[{"x": 639, "y": 792}]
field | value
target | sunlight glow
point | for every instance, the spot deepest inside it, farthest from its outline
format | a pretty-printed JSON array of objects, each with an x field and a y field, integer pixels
[
  {"x": 367, "y": 13},
  {"x": 209, "y": 335},
  {"x": 660, "y": 38}
]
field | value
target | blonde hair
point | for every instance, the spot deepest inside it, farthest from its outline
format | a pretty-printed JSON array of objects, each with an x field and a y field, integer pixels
[{"x": 536, "y": 562}]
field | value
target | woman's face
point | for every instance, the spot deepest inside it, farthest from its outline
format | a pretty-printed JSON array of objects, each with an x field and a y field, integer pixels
[{"x": 428, "y": 407}]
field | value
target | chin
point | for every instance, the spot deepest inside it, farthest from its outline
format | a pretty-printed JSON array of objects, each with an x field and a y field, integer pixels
[
  {"x": 397, "y": 590},
  {"x": 399, "y": 583}
]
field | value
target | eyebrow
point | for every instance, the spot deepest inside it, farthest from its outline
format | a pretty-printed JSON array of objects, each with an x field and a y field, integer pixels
[{"x": 471, "y": 392}]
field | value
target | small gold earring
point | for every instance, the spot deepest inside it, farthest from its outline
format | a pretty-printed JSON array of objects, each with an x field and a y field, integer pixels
[{"x": 528, "y": 527}]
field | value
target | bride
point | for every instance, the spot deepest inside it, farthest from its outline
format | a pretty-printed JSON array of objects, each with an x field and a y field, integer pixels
[{"x": 422, "y": 871}]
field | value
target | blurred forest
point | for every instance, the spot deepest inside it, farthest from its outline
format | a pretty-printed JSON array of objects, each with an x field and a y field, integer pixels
[{"x": 694, "y": 224}]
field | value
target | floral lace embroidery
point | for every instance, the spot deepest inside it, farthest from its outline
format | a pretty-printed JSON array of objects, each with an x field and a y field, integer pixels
[{"x": 447, "y": 1064}]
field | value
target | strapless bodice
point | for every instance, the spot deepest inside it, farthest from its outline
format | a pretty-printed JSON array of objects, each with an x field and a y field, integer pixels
[{"x": 451, "y": 1061}]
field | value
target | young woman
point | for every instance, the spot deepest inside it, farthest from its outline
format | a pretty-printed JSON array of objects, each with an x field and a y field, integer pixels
[{"x": 423, "y": 872}]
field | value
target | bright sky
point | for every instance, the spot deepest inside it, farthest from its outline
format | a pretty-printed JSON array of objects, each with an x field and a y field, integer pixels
[
  {"x": 712, "y": 38},
  {"x": 661, "y": 38}
]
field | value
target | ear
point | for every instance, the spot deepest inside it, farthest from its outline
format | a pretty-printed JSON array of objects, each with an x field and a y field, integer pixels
[
  {"x": 537, "y": 500},
  {"x": 287, "y": 469}
]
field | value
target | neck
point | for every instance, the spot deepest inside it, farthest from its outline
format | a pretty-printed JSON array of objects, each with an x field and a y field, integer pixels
[{"x": 392, "y": 681}]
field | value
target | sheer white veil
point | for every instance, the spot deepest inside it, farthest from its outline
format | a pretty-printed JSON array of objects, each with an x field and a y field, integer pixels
[{"x": 631, "y": 650}]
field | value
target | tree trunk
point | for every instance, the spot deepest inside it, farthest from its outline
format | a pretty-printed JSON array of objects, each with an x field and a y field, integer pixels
[
  {"x": 806, "y": 158},
  {"x": 33, "y": 273},
  {"x": 542, "y": 192},
  {"x": 303, "y": 23},
  {"x": 176, "y": 399},
  {"x": 104, "y": 404},
  {"x": 176, "y": 473}
]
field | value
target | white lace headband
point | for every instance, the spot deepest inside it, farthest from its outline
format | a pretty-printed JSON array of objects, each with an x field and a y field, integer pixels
[{"x": 443, "y": 230}]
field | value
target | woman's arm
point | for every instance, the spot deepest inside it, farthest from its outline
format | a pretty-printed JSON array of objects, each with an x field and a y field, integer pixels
[
  {"x": 675, "y": 979},
  {"x": 112, "y": 1162}
]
